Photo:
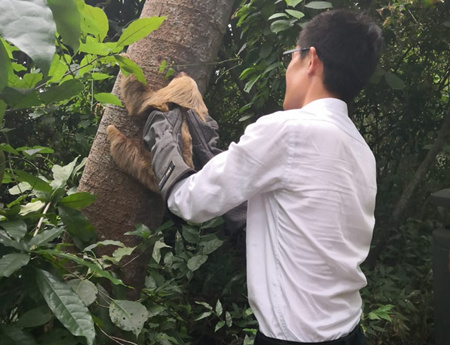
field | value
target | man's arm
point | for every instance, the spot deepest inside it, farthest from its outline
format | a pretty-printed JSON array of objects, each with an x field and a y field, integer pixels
[{"x": 257, "y": 164}]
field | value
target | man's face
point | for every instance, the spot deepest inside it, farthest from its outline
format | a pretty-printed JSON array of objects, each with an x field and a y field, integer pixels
[{"x": 296, "y": 82}]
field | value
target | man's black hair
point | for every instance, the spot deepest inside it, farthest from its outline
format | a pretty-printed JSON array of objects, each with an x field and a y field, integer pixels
[{"x": 349, "y": 44}]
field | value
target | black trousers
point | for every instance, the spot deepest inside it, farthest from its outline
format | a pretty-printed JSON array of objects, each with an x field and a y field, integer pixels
[{"x": 356, "y": 337}]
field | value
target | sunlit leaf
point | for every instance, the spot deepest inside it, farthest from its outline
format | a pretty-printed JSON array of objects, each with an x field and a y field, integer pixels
[
  {"x": 65, "y": 304},
  {"x": 319, "y": 5},
  {"x": 67, "y": 19},
  {"x": 29, "y": 25},
  {"x": 138, "y": 29},
  {"x": 128, "y": 67},
  {"x": 94, "y": 21},
  {"x": 278, "y": 15},
  {"x": 296, "y": 14},
  {"x": 108, "y": 98},
  {"x": 293, "y": 3}
]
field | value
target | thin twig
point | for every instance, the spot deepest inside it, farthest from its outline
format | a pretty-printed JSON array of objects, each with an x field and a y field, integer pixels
[{"x": 41, "y": 220}]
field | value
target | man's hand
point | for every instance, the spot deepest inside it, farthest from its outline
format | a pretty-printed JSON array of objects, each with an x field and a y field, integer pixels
[{"x": 162, "y": 136}]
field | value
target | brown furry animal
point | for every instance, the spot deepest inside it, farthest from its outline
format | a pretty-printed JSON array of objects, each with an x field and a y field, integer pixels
[{"x": 129, "y": 154}]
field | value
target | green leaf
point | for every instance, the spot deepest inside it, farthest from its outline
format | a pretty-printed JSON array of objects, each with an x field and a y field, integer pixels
[
  {"x": 11, "y": 263},
  {"x": 108, "y": 98},
  {"x": 20, "y": 98},
  {"x": 57, "y": 69},
  {"x": 293, "y": 3},
  {"x": 17, "y": 229},
  {"x": 13, "y": 335},
  {"x": 31, "y": 207},
  {"x": 94, "y": 21},
  {"x": 211, "y": 246},
  {"x": 228, "y": 319},
  {"x": 394, "y": 82},
  {"x": 8, "y": 242},
  {"x": 104, "y": 243},
  {"x": 96, "y": 48},
  {"x": 128, "y": 67},
  {"x": 156, "y": 255},
  {"x": 280, "y": 25},
  {"x": 206, "y": 305},
  {"x": 65, "y": 91},
  {"x": 3, "y": 106},
  {"x": 65, "y": 304},
  {"x": 278, "y": 15},
  {"x": 219, "y": 325},
  {"x": 190, "y": 234},
  {"x": 119, "y": 253},
  {"x": 249, "y": 85},
  {"x": 94, "y": 268},
  {"x": 138, "y": 29},
  {"x": 77, "y": 224},
  {"x": 195, "y": 262},
  {"x": 100, "y": 76},
  {"x": 67, "y": 19},
  {"x": 271, "y": 67},
  {"x": 78, "y": 200},
  {"x": 45, "y": 237},
  {"x": 85, "y": 289},
  {"x": 203, "y": 315},
  {"x": 128, "y": 315},
  {"x": 35, "y": 317},
  {"x": 29, "y": 25},
  {"x": 5, "y": 66},
  {"x": 141, "y": 230},
  {"x": 35, "y": 182},
  {"x": 296, "y": 14},
  {"x": 63, "y": 173},
  {"x": 219, "y": 308},
  {"x": 319, "y": 5}
]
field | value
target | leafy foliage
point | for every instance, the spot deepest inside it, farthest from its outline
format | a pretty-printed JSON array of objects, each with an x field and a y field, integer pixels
[{"x": 54, "y": 83}]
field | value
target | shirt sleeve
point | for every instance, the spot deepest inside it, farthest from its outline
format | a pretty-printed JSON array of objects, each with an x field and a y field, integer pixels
[{"x": 258, "y": 163}]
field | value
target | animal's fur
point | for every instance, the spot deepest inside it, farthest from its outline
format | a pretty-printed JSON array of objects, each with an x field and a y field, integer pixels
[{"x": 129, "y": 154}]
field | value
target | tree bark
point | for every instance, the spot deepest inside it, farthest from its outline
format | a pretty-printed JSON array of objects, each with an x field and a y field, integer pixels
[{"x": 190, "y": 36}]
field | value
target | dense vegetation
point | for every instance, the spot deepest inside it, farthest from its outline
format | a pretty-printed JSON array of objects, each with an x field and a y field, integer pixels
[{"x": 52, "y": 292}]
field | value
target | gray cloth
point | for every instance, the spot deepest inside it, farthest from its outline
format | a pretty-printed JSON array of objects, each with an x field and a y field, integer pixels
[
  {"x": 204, "y": 147},
  {"x": 162, "y": 136}
]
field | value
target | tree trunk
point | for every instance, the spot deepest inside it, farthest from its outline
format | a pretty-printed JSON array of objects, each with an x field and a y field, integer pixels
[{"x": 190, "y": 36}]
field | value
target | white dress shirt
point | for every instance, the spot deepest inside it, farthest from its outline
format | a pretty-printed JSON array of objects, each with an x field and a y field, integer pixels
[{"x": 310, "y": 181}]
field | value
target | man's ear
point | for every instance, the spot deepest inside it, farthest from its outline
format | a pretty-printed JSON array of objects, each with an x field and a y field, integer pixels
[{"x": 314, "y": 61}]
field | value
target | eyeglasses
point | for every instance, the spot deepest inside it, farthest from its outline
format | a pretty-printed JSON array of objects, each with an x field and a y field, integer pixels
[{"x": 286, "y": 58}]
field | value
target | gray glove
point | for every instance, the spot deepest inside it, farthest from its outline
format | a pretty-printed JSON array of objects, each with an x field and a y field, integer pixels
[
  {"x": 204, "y": 140},
  {"x": 162, "y": 136}
]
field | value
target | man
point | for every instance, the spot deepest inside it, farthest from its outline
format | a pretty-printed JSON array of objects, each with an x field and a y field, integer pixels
[{"x": 309, "y": 179}]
